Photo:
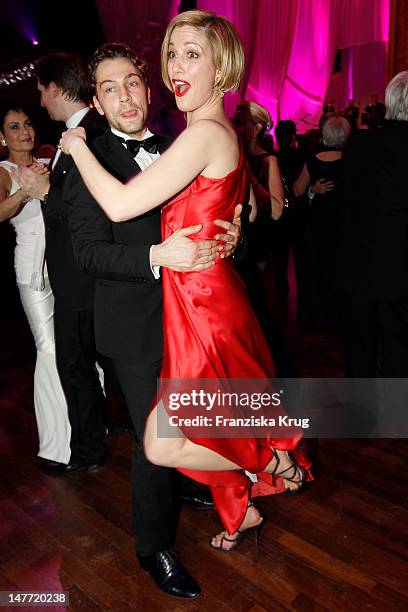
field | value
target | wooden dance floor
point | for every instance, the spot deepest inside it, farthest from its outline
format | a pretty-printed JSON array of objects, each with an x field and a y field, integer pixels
[{"x": 340, "y": 545}]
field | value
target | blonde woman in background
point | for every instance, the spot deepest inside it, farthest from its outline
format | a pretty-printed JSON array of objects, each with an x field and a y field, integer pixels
[
  {"x": 253, "y": 121},
  {"x": 266, "y": 233}
]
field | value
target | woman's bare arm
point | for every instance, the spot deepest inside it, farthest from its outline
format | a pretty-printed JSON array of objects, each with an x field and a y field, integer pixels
[
  {"x": 252, "y": 204},
  {"x": 10, "y": 205},
  {"x": 301, "y": 182},
  {"x": 276, "y": 190},
  {"x": 198, "y": 148}
]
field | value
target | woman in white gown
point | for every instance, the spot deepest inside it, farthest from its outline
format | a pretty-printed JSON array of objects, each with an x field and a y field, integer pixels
[{"x": 24, "y": 213}]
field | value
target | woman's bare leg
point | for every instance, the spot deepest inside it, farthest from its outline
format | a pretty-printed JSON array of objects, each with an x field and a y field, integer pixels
[{"x": 180, "y": 452}]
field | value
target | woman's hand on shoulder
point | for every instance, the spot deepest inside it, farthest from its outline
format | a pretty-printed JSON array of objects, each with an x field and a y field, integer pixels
[{"x": 70, "y": 138}]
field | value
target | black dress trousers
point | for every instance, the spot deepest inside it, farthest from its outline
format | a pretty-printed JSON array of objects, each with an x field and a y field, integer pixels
[
  {"x": 155, "y": 506},
  {"x": 76, "y": 356}
]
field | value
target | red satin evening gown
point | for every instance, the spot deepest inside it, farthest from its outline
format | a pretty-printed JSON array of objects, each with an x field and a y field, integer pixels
[{"x": 210, "y": 331}]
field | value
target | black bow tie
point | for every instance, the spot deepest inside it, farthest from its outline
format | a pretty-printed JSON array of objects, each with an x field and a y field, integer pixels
[{"x": 149, "y": 144}]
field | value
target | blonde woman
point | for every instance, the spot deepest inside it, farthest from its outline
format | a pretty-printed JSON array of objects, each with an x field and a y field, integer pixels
[
  {"x": 253, "y": 121},
  {"x": 210, "y": 330}
]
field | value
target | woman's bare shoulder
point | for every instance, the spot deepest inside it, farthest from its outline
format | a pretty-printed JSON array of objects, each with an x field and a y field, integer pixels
[
  {"x": 270, "y": 162},
  {"x": 213, "y": 128},
  {"x": 5, "y": 179}
]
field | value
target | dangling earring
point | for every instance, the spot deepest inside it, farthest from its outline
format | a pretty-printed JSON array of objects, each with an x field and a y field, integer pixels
[
  {"x": 216, "y": 86},
  {"x": 3, "y": 142}
]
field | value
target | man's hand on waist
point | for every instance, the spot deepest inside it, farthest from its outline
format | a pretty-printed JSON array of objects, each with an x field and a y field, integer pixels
[{"x": 182, "y": 254}]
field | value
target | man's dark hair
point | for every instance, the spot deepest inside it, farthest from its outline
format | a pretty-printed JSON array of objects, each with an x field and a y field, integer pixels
[
  {"x": 6, "y": 106},
  {"x": 285, "y": 131},
  {"x": 68, "y": 72},
  {"x": 112, "y": 51}
]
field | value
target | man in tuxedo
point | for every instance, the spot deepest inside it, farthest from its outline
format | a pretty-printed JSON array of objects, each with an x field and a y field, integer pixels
[
  {"x": 351, "y": 113},
  {"x": 125, "y": 259},
  {"x": 63, "y": 84},
  {"x": 375, "y": 111},
  {"x": 374, "y": 257}
]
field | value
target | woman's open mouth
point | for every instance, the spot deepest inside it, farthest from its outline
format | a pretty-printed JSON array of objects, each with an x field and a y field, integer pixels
[{"x": 180, "y": 87}]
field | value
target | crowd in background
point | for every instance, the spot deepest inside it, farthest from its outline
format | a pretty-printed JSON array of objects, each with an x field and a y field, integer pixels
[
  {"x": 310, "y": 169},
  {"x": 344, "y": 221},
  {"x": 307, "y": 170}
]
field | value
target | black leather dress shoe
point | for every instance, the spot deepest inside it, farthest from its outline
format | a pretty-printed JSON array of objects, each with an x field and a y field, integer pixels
[
  {"x": 169, "y": 574},
  {"x": 54, "y": 467},
  {"x": 199, "y": 499}
]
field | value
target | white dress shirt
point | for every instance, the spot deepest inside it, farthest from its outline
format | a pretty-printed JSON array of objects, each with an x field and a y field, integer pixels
[
  {"x": 143, "y": 159},
  {"x": 72, "y": 122}
]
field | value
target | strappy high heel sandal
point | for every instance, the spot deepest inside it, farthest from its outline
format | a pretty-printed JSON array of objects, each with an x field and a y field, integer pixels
[
  {"x": 255, "y": 529},
  {"x": 296, "y": 470}
]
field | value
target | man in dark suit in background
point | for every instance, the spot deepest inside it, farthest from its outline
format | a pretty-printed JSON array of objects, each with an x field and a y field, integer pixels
[
  {"x": 63, "y": 84},
  {"x": 374, "y": 257},
  {"x": 124, "y": 258},
  {"x": 374, "y": 112},
  {"x": 351, "y": 113}
]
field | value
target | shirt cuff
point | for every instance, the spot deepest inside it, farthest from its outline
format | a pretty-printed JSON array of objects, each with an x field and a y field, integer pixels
[{"x": 155, "y": 269}]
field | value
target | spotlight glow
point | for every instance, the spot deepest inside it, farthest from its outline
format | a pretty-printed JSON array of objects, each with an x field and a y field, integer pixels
[{"x": 35, "y": 42}]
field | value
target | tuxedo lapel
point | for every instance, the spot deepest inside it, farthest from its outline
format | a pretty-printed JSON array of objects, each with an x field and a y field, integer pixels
[
  {"x": 163, "y": 143},
  {"x": 115, "y": 157}
]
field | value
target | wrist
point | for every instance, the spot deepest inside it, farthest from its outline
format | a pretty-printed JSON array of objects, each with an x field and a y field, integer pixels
[
  {"x": 44, "y": 192},
  {"x": 24, "y": 196},
  {"x": 155, "y": 255},
  {"x": 76, "y": 145}
]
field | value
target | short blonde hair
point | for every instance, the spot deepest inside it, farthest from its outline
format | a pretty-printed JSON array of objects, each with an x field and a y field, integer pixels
[
  {"x": 257, "y": 112},
  {"x": 226, "y": 47}
]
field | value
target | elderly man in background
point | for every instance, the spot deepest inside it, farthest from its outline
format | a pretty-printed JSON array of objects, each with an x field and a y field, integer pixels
[{"x": 374, "y": 258}]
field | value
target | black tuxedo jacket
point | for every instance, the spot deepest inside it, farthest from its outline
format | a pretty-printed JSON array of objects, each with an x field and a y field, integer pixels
[
  {"x": 128, "y": 299},
  {"x": 374, "y": 254},
  {"x": 72, "y": 288}
]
